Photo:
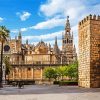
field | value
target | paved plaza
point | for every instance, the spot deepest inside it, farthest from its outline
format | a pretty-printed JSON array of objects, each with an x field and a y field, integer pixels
[{"x": 49, "y": 92}]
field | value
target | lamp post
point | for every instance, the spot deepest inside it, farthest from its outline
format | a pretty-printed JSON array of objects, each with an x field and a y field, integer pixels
[
  {"x": 6, "y": 49},
  {"x": 3, "y": 74},
  {"x": 1, "y": 65}
]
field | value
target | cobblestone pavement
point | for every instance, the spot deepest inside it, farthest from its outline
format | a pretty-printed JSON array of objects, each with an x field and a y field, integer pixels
[{"x": 49, "y": 92}]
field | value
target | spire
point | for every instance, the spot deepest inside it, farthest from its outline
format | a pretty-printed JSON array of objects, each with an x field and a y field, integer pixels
[
  {"x": 49, "y": 47},
  {"x": 56, "y": 49},
  {"x": 19, "y": 35},
  {"x": 67, "y": 28},
  {"x": 27, "y": 41},
  {"x": 56, "y": 40}
]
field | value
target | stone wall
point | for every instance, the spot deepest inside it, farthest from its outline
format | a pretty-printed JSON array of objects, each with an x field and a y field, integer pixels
[
  {"x": 26, "y": 73},
  {"x": 89, "y": 60}
]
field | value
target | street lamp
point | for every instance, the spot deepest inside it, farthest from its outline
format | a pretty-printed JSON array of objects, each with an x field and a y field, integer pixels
[
  {"x": 6, "y": 48},
  {"x": 1, "y": 65}
]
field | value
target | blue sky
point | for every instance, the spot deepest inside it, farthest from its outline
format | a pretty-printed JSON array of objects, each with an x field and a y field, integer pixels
[{"x": 45, "y": 19}]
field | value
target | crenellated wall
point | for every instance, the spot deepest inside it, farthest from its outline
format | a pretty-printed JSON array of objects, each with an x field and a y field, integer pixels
[
  {"x": 89, "y": 51},
  {"x": 90, "y": 17}
]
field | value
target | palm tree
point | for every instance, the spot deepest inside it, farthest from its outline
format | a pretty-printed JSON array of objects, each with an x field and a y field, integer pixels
[{"x": 4, "y": 34}]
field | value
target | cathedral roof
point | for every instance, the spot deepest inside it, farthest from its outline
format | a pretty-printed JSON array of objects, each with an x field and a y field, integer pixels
[
  {"x": 41, "y": 44},
  {"x": 41, "y": 48}
]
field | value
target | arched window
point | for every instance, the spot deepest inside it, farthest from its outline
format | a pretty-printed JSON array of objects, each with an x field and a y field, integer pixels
[
  {"x": 63, "y": 41},
  {"x": 67, "y": 41},
  {"x": 70, "y": 41}
]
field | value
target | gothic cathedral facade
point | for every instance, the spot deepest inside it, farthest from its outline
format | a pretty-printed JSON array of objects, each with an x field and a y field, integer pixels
[{"x": 29, "y": 60}]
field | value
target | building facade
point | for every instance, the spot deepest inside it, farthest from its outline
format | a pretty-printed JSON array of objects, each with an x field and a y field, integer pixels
[
  {"x": 89, "y": 52},
  {"x": 28, "y": 61}
]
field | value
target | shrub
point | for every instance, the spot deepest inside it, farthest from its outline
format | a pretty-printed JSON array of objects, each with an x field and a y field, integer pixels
[
  {"x": 68, "y": 83},
  {"x": 56, "y": 82}
]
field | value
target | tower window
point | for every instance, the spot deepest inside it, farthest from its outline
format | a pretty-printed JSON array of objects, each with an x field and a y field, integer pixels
[
  {"x": 71, "y": 41},
  {"x": 67, "y": 41}
]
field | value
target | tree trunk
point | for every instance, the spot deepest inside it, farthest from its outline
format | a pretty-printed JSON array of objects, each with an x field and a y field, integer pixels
[{"x": 62, "y": 77}]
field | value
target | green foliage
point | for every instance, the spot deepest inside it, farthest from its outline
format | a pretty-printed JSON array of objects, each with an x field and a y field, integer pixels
[
  {"x": 7, "y": 64},
  {"x": 61, "y": 71},
  {"x": 55, "y": 75},
  {"x": 4, "y": 33},
  {"x": 49, "y": 73},
  {"x": 72, "y": 71}
]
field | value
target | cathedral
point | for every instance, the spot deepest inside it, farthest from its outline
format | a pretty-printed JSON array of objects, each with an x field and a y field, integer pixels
[{"x": 28, "y": 61}]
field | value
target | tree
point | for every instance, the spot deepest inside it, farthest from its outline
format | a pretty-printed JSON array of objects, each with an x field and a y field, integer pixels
[
  {"x": 61, "y": 71},
  {"x": 55, "y": 75},
  {"x": 72, "y": 70},
  {"x": 4, "y": 34},
  {"x": 49, "y": 73}
]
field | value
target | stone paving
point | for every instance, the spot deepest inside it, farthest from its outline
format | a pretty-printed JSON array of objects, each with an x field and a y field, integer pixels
[{"x": 49, "y": 92}]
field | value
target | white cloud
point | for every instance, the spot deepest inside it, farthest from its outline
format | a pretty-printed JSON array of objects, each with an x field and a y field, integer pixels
[
  {"x": 17, "y": 30},
  {"x": 51, "y": 7},
  {"x": 44, "y": 37},
  {"x": 1, "y": 19},
  {"x": 23, "y": 29},
  {"x": 48, "y": 24},
  {"x": 23, "y": 15},
  {"x": 14, "y": 31},
  {"x": 63, "y": 7}
]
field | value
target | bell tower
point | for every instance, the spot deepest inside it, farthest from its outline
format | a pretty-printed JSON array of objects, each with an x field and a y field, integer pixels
[{"x": 67, "y": 42}]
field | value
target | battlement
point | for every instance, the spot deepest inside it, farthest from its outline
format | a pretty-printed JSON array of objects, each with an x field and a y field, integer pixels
[{"x": 90, "y": 17}]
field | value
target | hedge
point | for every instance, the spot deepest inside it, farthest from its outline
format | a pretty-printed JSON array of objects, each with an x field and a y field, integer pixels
[{"x": 63, "y": 83}]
